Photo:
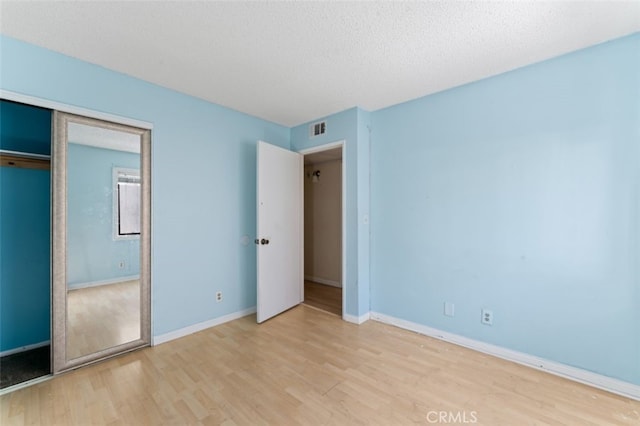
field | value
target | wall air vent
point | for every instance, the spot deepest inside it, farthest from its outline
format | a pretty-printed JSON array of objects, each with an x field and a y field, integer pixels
[{"x": 317, "y": 129}]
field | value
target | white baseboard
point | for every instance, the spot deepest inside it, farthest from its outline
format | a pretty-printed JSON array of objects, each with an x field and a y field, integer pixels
[
  {"x": 176, "y": 334},
  {"x": 356, "y": 320},
  {"x": 319, "y": 280},
  {"x": 24, "y": 348},
  {"x": 599, "y": 381},
  {"x": 77, "y": 286}
]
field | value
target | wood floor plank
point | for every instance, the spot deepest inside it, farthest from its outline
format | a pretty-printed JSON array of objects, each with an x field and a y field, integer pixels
[
  {"x": 324, "y": 297},
  {"x": 306, "y": 367}
]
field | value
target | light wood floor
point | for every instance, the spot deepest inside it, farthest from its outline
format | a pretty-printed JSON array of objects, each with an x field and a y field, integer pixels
[
  {"x": 101, "y": 317},
  {"x": 323, "y": 297},
  {"x": 308, "y": 367}
]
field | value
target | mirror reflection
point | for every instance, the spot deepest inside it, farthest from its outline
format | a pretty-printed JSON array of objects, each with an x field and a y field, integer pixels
[{"x": 103, "y": 239}]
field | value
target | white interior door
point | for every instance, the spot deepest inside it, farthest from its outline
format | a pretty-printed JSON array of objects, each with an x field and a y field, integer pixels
[{"x": 279, "y": 230}]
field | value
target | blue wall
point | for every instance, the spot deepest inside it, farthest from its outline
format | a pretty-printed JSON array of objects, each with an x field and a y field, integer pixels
[
  {"x": 521, "y": 194},
  {"x": 24, "y": 230},
  {"x": 92, "y": 253},
  {"x": 363, "y": 197},
  {"x": 203, "y": 176}
]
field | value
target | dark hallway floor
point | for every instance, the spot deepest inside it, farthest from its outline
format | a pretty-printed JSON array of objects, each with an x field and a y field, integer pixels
[{"x": 324, "y": 297}]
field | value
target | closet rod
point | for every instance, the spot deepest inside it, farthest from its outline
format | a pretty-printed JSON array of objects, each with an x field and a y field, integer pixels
[{"x": 25, "y": 154}]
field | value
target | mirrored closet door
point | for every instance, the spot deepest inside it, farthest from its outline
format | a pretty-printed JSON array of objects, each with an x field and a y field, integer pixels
[{"x": 101, "y": 240}]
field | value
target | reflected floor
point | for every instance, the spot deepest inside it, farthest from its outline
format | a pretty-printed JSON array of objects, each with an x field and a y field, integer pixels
[{"x": 101, "y": 317}]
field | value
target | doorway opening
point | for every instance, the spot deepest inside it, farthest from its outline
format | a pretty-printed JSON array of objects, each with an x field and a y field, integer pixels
[{"x": 324, "y": 228}]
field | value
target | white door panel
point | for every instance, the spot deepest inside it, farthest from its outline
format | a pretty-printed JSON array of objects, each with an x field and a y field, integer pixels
[{"x": 279, "y": 230}]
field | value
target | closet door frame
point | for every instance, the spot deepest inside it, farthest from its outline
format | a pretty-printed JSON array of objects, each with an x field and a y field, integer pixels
[
  {"x": 54, "y": 106},
  {"x": 63, "y": 359}
]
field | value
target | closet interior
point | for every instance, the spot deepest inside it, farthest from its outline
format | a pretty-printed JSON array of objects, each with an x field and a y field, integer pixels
[{"x": 25, "y": 243}]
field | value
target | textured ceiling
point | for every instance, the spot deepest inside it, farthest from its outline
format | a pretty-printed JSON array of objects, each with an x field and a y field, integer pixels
[{"x": 292, "y": 62}]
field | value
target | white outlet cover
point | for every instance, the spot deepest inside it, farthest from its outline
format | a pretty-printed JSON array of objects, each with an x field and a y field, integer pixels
[
  {"x": 487, "y": 317},
  {"x": 449, "y": 309}
]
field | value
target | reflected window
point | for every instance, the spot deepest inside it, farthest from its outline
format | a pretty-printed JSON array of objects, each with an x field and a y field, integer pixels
[{"x": 126, "y": 203}]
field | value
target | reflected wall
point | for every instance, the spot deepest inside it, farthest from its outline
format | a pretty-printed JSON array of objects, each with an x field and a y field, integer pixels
[{"x": 94, "y": 254}]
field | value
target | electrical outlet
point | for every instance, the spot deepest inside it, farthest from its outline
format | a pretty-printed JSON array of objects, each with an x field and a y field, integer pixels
[
  {"x": 219, "y": 296},
  {"x": 487, "y": 317},
  {"x": 449, "y": 309}
]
